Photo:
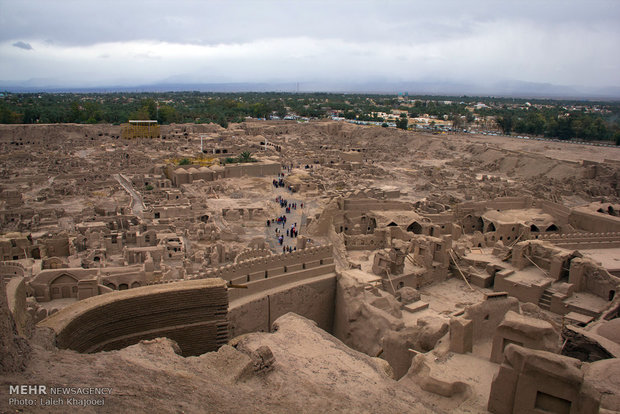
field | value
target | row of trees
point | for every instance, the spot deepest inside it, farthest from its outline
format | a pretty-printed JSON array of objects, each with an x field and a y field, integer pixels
[
  {"x": 579, "y": 125},
  {"x": 541, "y": 117},
  {"x": 118, "y": 108}
]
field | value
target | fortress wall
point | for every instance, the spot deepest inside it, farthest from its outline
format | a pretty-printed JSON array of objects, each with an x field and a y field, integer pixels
[
  {"x": 583, "y": 241},
  {"x": 580, "y": 237},
  {"x": 274, "y": 264},
  {"x": 192, "y": 313},
  {"x": 503, "y": 203},
  {"x": 368, "y": 204},
  {"x": 440, "y": 218},
  {"x": 255, "y": 169},
  {"x": 557, "y": 211},
  {"x": 261, "y": 284},
  {"x": 313, "y": 298},
  {"x": 593, "y": 221},
  {"x": 303, "y": 282},
  {"x": 250, "y": 315}
]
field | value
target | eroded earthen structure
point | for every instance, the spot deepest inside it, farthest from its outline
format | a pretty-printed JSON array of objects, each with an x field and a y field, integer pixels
[{"x": 474, "y": 273}]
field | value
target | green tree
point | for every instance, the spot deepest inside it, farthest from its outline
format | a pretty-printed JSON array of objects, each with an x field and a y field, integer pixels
[
  {"x": 75, "y": 113},
  {"x": 245, "y": 156},
  {"x": 141, "y": 114},
  {"x": 30, "y": 116},
  {"x": 8, "y": 116},
  {"x": 402, "y": 122},
  {"x": 151, "y": 108},
  {"x": 167, "y": 114},
  {"x": 457, "y": 121},
  {"x": 505, "y": 123}
]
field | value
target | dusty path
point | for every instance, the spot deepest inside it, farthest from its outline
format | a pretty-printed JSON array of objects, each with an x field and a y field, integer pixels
[{"x": 294, "y": 217}]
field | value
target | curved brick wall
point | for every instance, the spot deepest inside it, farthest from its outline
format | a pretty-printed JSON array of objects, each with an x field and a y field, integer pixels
[{"x": 192, "y": 313}]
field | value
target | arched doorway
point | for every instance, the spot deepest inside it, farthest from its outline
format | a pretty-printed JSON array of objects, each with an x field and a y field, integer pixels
[
  {"x": 415, "y": 227},
  {"x": 552, "y": 227}
]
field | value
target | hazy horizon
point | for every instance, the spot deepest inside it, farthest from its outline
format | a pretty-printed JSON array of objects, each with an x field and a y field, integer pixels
[{"x": 553, "y": 48}]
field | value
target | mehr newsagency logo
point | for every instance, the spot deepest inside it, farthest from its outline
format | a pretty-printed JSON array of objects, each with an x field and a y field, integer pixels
[{"x": 42, "y": 395}]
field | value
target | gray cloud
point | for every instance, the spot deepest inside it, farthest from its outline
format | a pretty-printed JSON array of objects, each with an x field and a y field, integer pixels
[
  {"x": 22, "y": 45},
  {"x": 552, "y": 41}
]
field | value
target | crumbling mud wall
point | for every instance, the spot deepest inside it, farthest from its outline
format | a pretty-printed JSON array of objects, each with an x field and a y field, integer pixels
[
  {"x": 590, "y": 277},
  {"x": 16, "y": 297},
  {"x": 14, "y": 349},
  {"x": 362, "y": 318},
  {"x": 192, "y": 313}
]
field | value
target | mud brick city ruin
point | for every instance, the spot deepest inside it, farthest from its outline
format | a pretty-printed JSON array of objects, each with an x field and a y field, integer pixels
[{"x": 278, "y": 266}]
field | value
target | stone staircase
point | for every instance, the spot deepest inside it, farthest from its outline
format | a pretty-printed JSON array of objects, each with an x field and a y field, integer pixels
[{"x": 545, "y": 300}]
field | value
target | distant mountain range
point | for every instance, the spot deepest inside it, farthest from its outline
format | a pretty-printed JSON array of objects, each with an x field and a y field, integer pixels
[{"x": 506, "y": 89}]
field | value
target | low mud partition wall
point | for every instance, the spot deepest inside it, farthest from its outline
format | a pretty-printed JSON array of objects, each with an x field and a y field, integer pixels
[{"x": 192, "y": 313}]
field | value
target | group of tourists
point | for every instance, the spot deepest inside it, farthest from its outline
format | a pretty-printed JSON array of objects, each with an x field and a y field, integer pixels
[
  {"x": 279, "y": 183},
  {"x": 280, "y": 220}
]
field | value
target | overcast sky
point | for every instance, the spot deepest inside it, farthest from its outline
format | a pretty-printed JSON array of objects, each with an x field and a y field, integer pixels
[{"x": 107, "y": 42}]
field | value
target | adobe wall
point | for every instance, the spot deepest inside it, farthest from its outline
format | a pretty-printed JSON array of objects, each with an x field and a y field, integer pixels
[
  {"x": 11, "y": 269},
  {"x": 181, "y": 174},
  {"x": 487, "y": 315},
  {"x": 524, "y": 331},
  {"x": 313, "y": 298},
  {"x": 258, "y": 169},
  {"x": 367, "y": 204},
  {"x": 593, "y": 222},
  {"x": 503, "y": 203},
  {"x": 533, "y": 381},
  {"x": 590, "y": 277},
  {"x": 16, "y": 300},
  {"x": 303, "y": 282},
  {"x": 583, "y": 241},
  {"x": 557, "y": 211},
  {"x": 42, "y": 282},
  {"x": 365, "y": 241},
  {"x": 525, "y": 292},
  {"x": 192, "y": 313},
  {"x": 273, "y": 265}
]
